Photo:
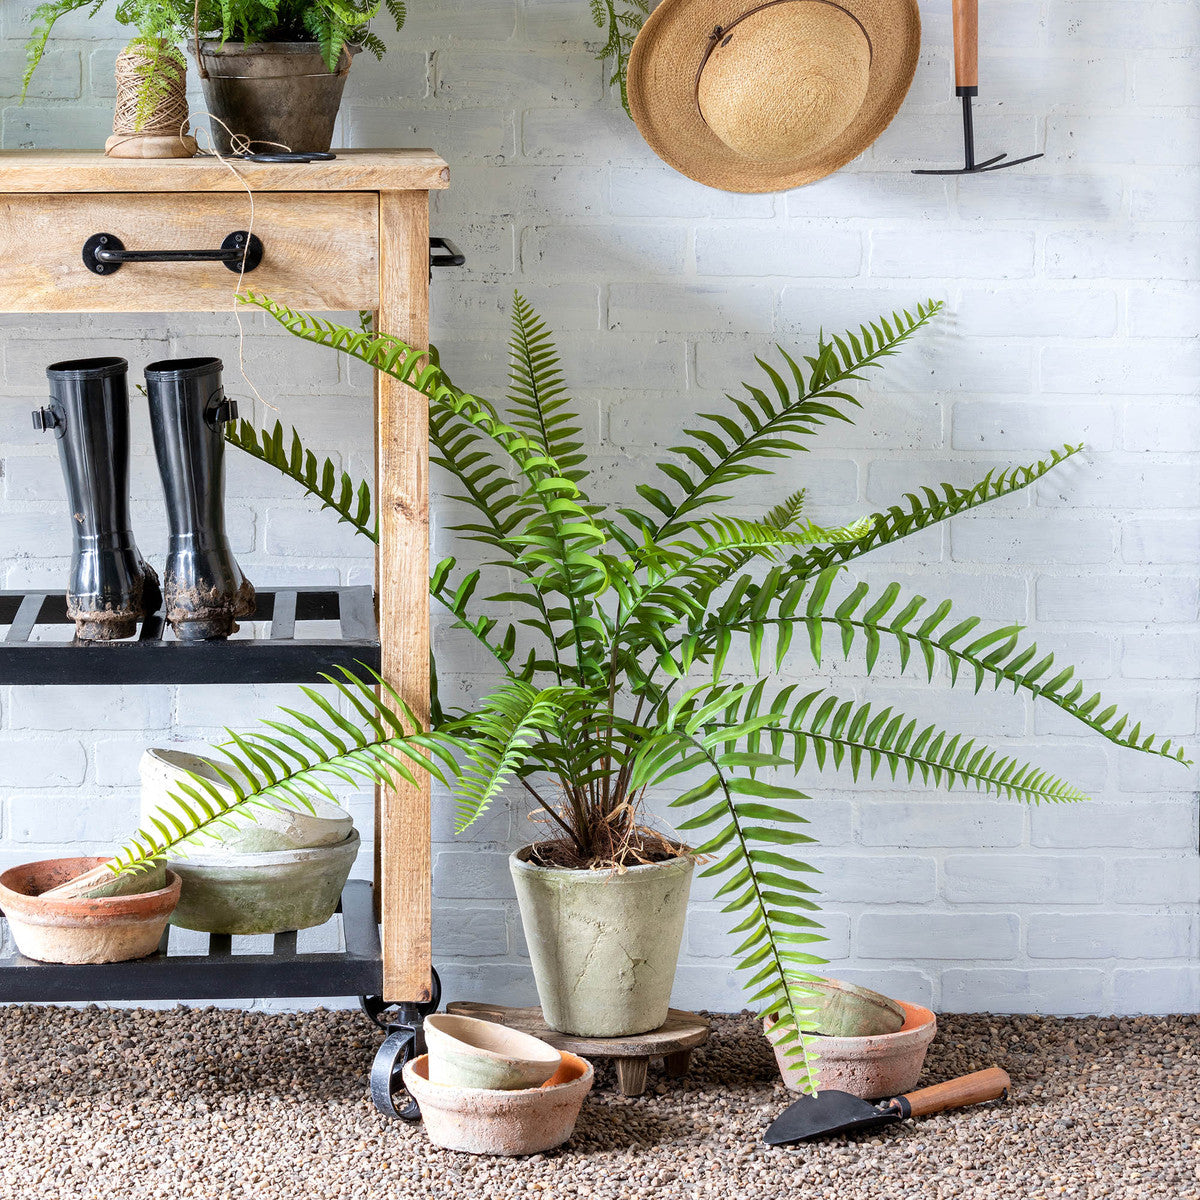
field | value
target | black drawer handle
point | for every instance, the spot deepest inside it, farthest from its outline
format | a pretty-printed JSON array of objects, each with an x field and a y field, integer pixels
[
  {"x": 104, "y": 253},
  {"x": 444, "y": 253}
]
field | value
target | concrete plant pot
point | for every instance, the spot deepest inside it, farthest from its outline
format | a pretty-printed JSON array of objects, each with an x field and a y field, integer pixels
[
  {"x": 871, "y": 1067},
  {"x": 479, "y": 1121},
  {"x": 272, "y": 92},
  {"x": 262, "y": 893},
  {"x": 90, "y": 929},
  {"x": 469, "y": 1052},
  {"x": 604, "y": 946},
  {"x": 259, "y": 829}
]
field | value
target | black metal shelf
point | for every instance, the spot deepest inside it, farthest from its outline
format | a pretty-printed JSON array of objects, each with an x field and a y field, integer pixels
[
  {"x": 220, "y": 974},
  {"x": 29, "y": 656}
]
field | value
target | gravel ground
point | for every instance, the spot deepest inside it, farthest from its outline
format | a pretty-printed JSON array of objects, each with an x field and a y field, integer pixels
[{"x": 223, "y": 1105}]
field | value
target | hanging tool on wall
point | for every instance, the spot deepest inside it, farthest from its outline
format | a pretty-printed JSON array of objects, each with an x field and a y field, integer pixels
[{"x": 966, "y": 85}]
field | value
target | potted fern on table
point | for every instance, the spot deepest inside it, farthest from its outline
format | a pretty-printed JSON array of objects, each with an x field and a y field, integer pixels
[{"x": 613, "y": 644}]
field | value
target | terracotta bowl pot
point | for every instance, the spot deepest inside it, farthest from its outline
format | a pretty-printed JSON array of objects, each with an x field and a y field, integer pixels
[
  {"x": 84, "y": 930},
  {"x": 884, "y": 1064},
  {"x": 482, "y": 1121},
  {"x": 468, "y": 1052}
]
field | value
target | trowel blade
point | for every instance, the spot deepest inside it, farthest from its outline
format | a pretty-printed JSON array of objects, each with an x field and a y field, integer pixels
[{"x": 826, "y": 1112}]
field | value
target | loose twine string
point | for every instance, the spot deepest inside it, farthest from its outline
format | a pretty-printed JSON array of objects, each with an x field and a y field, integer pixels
[
  {"x": 170, "y": 115},
  {"x": 240, "y": 144}
]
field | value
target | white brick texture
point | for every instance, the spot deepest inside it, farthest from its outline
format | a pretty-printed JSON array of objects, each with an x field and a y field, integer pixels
[{"x": 1072, "y": 313}]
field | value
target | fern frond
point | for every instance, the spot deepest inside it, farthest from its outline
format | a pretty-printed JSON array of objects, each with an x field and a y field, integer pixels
[
  {"x": 997, "y": 654},
  {"x": 770, "y": 424},
  {"x": 274, "y": 767},
  {"x": 558, "y": 541},
  {"x": 622, "y": 23},
  {"x": 933, "y": 506},
  {"x": 752, "y": 840},
  {"x": 338, "y": 492},
  {"x": 537, "y": 397},
  {"x": 500, "y": 733},
  {"x": 44, "y": 18}
]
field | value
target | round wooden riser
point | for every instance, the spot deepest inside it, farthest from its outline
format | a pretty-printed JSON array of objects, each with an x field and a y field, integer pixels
[{"x": 672, "y": 1042}]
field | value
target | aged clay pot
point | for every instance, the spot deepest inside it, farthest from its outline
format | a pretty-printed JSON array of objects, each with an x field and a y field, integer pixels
[
  {"x": 279, "y": 92},
  {"x": 81, "y": 929},
  {"x": 262, "y": 893},
  {"x": 871, "y": 1067},
  {"x": 258, "y": 829},
  {"x": 479, "y": 1121},
  {"x": 604, "y": 946},
  {"x": 847, "y": 1010},
  {"x": 468, "y": 1052}
]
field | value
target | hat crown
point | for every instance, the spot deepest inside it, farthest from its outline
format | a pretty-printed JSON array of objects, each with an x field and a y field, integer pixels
[{"x": 785, "y": 80}]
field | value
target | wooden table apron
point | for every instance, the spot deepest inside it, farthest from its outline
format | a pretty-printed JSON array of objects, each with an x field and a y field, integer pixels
[{"x": 348, "y": 234}]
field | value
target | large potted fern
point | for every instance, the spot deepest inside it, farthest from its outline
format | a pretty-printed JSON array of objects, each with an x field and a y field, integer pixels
[{"x": 615, "y": 639}]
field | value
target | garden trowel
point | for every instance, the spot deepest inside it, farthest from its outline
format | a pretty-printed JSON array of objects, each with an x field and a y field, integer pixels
[{"x": 839, "y": 1112}]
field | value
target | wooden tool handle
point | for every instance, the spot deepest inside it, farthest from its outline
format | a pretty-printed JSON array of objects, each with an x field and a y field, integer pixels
[
  {"x": 966, "y": 44},
  {"x": 958, "y": 1093}
]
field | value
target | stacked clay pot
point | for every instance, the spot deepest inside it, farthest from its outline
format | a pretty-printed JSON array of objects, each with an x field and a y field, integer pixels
[
  {"x": 276, "y": 868},
  {"x": 486, "y": 1089}
]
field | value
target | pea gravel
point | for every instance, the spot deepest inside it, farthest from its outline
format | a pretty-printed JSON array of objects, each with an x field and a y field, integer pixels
[{"x": 223, "y": 1104}]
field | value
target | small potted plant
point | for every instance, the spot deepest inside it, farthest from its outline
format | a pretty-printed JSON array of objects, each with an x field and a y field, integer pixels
[
  {"x": 273, "y": 71},
  {"x": 616, "y": 683}
]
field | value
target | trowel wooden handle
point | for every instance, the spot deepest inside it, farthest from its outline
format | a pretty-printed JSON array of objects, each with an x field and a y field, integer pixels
[
  {"x": 966, "y": 44},
  {"x": 958, "y": 1093}
]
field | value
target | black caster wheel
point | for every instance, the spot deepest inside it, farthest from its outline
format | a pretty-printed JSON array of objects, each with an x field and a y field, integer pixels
[
  {"x": 387, "y": 1075},
  {"x": 405, "y": 1041}
]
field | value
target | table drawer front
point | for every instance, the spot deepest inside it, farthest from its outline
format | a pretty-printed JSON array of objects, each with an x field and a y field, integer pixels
[{"x": 320, "y": 251}]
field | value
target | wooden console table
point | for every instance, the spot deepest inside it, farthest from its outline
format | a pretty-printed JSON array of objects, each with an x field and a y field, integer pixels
[{"x": 348, "y": 234}]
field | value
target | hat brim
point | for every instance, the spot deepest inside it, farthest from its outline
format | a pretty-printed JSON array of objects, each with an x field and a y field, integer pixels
[{"x": 661, "y": 80}]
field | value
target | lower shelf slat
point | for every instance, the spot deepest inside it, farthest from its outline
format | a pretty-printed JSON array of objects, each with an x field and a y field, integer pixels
[{"x": 285, "y": 972}]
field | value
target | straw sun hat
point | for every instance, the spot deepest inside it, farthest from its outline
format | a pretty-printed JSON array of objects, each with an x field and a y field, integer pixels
[{"x": 761, "y": 97}]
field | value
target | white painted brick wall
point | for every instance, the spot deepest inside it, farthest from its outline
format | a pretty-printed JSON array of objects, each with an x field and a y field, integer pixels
[{"x": 1072, "y": 313}]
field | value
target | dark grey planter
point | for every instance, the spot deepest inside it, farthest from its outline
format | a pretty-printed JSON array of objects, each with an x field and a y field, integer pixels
[{"x": 278, "y": 92}]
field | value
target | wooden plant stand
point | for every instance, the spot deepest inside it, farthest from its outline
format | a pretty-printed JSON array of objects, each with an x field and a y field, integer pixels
[
  {"x": 352, "y": 233},
  {"x": 673, "y": 1042}
]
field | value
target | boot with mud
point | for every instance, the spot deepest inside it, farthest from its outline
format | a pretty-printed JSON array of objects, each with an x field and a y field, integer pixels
[
  {"x": 111, "y": 586},
  {"x": 206, "y": 591}
]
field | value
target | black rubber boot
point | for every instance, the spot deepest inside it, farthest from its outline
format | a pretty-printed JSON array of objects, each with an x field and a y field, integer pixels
[
  {"x": 111, "y": 586},
  {"x": 205, "y": 588}
]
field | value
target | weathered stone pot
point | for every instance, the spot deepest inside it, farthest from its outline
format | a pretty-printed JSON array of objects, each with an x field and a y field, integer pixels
[
  {"x": 604, "y": 946},
  {"x": 262, "y": 893},
  {"x": 469, "y": 1052},
  {"x": 279, "y": 92},
  {"x": 260, "y": 829},
  {"x": 871, "y": 1067},
  {"x": 480, "y": 1121},
  {"x": 847, "y": 1010},
  {"x": 95, "y": 929}
]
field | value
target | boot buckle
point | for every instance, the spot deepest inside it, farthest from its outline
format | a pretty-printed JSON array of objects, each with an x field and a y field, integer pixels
[
  {"x": 46, "y": 418},
  {"x": 221, "y": 410}
]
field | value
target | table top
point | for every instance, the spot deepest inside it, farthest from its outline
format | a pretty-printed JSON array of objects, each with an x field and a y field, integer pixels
[{"x": 51, "y": 171}]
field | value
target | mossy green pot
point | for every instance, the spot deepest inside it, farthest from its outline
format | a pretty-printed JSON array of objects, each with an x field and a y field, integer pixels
[
  {"x": 604, "y": 945},
  {"x": 262, "y": 893}
]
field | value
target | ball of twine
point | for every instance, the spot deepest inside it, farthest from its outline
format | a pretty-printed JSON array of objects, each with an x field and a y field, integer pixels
[{"x": 151, "y": 91}]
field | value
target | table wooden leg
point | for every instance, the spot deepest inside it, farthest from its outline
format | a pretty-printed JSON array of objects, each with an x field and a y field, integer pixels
[
  {"x": 631, "y": 1075},
  {"x": 677, "y": 1064},
  {"x": 402, "y": 498}
]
